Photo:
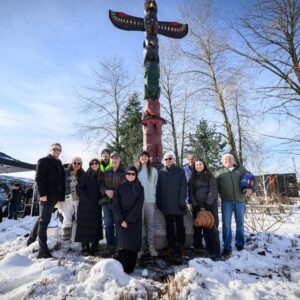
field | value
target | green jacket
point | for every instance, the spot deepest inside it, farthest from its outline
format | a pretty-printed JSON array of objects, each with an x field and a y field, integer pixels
[{"x": 229, "y": 184}]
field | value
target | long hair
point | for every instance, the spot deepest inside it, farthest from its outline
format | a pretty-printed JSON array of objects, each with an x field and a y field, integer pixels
[
  {"x": 205, "y": 173},
  {"x": 149, "y": 171},
  {"x": 97, "y": 173},
  {"x": 79, "y": 172}
]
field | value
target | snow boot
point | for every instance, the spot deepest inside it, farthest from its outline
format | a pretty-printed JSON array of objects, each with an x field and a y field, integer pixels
[
  {"x": 66, "y": 233},
  {"x": 168, "y": 252},
  {"x": 30, "y": 240},
  {"x": 44, "y": 253},
  {"x": 85, "y": 249},
  {"x": 152, "y": 251},
  {"x": 182, "y": 251},
  {"x": 94, "y": 249},
  {"x": 226, "y": 253}
]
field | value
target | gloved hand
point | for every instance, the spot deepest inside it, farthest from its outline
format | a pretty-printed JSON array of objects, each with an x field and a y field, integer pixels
[
  {"x": 196, "y": 208},
  {"x": 182, "y": 206}
]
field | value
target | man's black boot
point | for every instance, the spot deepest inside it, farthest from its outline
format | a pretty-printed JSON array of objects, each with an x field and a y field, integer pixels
[
  {"x": 44, "y": 253},
  {"x": 30, "y": 240}
]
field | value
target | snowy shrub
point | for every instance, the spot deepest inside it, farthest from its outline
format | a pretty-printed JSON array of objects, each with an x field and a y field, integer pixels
[{"x": 266, "y": 217}]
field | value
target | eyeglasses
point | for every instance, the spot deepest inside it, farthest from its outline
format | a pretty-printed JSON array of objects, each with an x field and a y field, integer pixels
[
  {"x": 94, "y": 163},
  {"x": 131, "y": 173},
  {"x": 76, "y": 163},
  {"x": 56, "y": 149},
  {"x": 169, "y": 158}
]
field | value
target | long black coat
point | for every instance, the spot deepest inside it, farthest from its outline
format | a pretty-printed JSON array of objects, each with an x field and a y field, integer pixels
[
  {"x": 89, "y": 220},
  {"x": 127, "y": 206},
  {"x": 171, "y": 191},
  {"x": 203, "y": 192},
  {"x": 50, "y": 178}
]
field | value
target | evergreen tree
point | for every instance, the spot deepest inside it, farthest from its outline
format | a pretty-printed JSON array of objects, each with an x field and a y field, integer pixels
[
  {"x": 207, "y": 144},
  {"x": 130, "y": 132}
]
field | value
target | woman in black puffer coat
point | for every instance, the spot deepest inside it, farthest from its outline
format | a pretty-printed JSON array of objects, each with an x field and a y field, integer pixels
[
  {"x": 89, "y": 220},
  {"x": 127, "y": 208},
  {"x": 203, "y": 193}
]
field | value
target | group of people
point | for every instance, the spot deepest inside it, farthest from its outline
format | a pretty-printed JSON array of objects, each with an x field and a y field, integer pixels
[{"x": 128, "y": 197}]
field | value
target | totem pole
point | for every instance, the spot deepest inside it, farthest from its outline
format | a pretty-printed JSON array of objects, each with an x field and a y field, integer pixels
[{"x": 151, "y": 119}]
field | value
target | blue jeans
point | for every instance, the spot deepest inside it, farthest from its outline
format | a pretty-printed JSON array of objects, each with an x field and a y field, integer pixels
[
  {"x": 228, "y": 207},
  {"x": 109, "y": 225}
]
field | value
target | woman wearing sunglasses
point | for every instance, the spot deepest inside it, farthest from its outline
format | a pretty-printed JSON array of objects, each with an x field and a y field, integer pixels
[
  {"x": 68, "y": 208},
  {"x": 127, "y": 208},
  {"x": 89, "y": 221}
]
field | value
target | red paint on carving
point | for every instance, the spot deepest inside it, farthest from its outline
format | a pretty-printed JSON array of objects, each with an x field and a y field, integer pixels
[
  {"x": 174, "y": 24},
  {"x": 121, "y": 14}
]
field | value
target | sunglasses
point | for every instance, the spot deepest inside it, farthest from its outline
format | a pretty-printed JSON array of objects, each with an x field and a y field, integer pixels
[
  {"x": 94, "y": 163},
  {"x": 131, "y": 173},
  {"x": 56, "y": 149},
  {"x": 76, "y": 163},
  {"x": 169, "y": 158}
]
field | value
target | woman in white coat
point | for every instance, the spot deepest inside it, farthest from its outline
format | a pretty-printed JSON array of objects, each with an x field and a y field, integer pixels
[
  {"x": 68, "y": 208},
  {"x": 147, "y": 175}
]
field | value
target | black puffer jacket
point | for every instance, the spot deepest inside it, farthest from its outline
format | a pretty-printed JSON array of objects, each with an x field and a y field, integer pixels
[
  {"x": 127, "y": 206},
  {"x": 89, "y": 221},
  {"x": 202, "y": 192},
  {"x": 50, "y": 178}
]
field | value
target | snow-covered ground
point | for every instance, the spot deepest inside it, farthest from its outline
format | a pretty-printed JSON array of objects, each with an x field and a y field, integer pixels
[{"x": 268, "y": 268}]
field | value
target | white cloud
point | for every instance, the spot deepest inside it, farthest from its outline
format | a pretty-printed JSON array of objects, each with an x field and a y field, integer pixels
[{"x": 10, "y": 120}]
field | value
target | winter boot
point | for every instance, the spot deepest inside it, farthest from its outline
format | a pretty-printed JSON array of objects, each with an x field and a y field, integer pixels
[
  {"x": 152, "y": 251},
  {"x": 182, "y": 251},
  {"x": 30, "y": 240},
  {"x": 66, "y": 233},
  {"x": 226, "y": 253},
  {"x": 85, "y": 249},
  {"x": 140, "y": 254},
  {"x": 94, "y": 249},
  {"x": 44, "y": 253},
  {"x": 111, "y": 250},
  {"x": 168, "y": 251}
]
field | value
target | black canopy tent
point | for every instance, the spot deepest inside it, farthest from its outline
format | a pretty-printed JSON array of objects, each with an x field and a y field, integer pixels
[{"x": 10, "y": 165}]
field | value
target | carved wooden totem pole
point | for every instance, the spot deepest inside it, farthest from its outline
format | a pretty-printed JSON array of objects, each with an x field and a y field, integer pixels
[{"x": 151, "y": 120}]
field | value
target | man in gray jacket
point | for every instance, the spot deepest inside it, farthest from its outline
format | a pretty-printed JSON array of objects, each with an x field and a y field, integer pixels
[{"x": 170, "y": 198}]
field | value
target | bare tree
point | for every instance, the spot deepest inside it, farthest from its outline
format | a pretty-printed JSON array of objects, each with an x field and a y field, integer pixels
[
  {"x": 103, "y": 106},
  {"x": 176, "y": 97},
  {"x": 270, "y": 34},
  {"x": 183, "y": 131},
  {"x": 207, "y": 51}
]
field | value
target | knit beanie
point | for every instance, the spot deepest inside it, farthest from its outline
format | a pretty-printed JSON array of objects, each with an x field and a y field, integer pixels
[
  {"x": 132, "y": 168},
  {"x": 77, "y": 159}
]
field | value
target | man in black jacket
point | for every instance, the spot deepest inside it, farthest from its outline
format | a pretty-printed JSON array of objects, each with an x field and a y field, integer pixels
[
  {"x": 171, "y": 193},
  {"x": 14, "y": 201},
  {"x": 50, "y": 180}
]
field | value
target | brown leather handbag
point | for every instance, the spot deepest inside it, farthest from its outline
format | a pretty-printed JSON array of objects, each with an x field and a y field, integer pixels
[{"x": 204, "y": 219}]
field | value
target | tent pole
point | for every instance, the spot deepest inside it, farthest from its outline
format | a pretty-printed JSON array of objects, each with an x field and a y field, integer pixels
[{"x": 33, "y": 198}]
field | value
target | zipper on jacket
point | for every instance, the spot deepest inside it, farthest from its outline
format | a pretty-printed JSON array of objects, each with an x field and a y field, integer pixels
[{"x": 232, "y": 183}]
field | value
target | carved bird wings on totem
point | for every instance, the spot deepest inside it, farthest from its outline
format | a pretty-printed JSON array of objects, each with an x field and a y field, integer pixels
[{"x": 126, "y": 22}]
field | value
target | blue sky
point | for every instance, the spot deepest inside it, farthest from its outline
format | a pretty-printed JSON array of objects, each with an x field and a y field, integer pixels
[{"x": 48, "y": 48}]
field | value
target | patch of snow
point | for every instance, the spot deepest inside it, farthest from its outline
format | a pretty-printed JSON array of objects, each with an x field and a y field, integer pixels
[{"x": 267, "y": 268}]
